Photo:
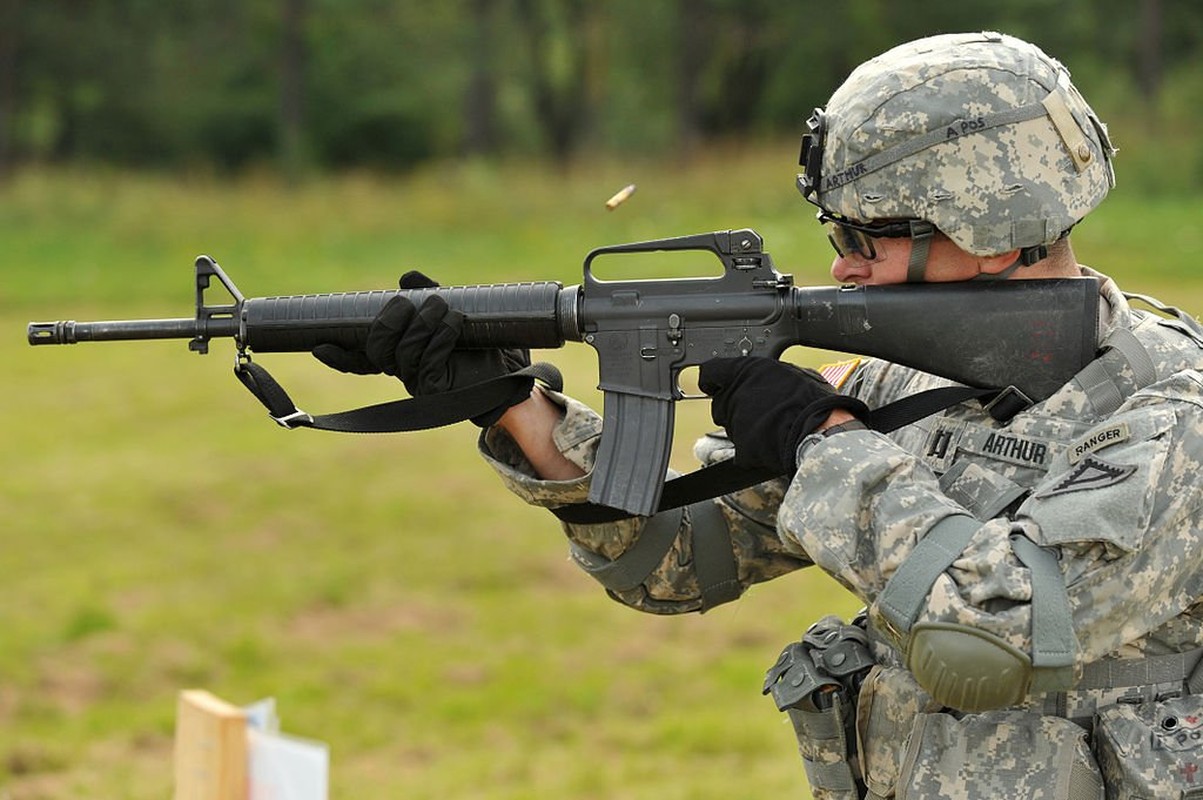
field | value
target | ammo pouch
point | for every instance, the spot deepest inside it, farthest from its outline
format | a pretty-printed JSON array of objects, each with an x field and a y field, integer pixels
[
  {"x": 1153, "y": 749},
  {"x": 816, "y": 681},
  {"x": 1008, "y": 753}
]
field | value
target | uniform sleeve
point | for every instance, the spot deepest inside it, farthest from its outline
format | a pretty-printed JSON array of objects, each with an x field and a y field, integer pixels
[
  {"x": 1119, "y": 509},
  {"x": 745, "y": 522}
]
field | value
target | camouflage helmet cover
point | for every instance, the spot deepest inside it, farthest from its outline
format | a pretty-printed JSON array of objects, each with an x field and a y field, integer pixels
[{"x": 983, "y": 135}]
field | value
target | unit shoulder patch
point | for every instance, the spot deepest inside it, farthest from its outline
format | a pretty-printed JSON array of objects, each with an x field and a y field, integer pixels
[{"x": 1091, "y": 473}]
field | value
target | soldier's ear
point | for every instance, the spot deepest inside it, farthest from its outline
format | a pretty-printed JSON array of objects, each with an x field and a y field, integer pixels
[{"x": 995, "y": 265}]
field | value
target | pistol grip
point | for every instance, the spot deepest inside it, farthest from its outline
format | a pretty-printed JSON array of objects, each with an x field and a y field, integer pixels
[{"x": 632, "y": 458}]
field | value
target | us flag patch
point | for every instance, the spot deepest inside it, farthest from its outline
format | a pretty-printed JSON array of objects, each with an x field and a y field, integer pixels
[{"x": 837, "y": 374}]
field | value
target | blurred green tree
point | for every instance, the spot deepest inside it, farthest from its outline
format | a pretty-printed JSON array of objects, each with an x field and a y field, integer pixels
[{"x": 389, "y": 83}]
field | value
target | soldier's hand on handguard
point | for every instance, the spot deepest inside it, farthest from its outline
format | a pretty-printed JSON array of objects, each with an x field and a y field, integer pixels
[
  {"x": 416, "y": 344},
  {"x": 768, "y": 407}
]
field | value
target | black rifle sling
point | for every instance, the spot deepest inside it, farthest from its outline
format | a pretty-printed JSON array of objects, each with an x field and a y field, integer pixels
[
  {"x": 413, "y": 414},
  {"x": 724, "y": 477},
  {"x": 433, "y": 411}
]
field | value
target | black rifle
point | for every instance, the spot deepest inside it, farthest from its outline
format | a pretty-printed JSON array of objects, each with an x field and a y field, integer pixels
[{"x": 1028, "y": 337}]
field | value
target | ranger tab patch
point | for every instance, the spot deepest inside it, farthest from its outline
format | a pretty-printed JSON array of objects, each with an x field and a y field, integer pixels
[
  {"x": 837, "y": 374},
  {"x": 1097, "y": 440}
]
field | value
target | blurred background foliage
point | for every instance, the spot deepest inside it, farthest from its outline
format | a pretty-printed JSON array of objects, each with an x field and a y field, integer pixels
[
  {"x": 158, "y": 533},
  {"x": 304, "y": 85}
]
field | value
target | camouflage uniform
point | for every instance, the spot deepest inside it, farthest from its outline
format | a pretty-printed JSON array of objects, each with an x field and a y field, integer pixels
[
  {"x": 1127, "y": 541},
  {"x": 1103, "y": 475}
]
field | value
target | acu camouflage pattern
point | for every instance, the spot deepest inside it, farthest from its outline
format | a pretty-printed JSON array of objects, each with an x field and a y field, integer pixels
[
  {"x": 989, "y": 190},
  {"x": 1003, "y": 754},
  {"x": 890, "y": 701},
  {"x": 1130, "y": 548},
  {"x": 673, "y": 589},
  {"x": 1152, "y": 750},
  {"x": 1127, "y": 547}
]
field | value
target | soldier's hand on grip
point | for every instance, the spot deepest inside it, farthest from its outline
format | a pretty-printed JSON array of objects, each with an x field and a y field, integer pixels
[{"x": 768, "y": 407}]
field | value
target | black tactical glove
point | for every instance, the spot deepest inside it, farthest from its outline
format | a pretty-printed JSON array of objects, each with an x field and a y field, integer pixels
[
  {"x": 768, "y": 407},
  {"x": 416, "y": 344}
]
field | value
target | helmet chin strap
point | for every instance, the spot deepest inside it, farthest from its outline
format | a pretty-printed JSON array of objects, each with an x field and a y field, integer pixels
[
  {"x": 999, "y": 276},
  {"x": 921, "y": 236},
  {"x": 1027, "y": 257}
]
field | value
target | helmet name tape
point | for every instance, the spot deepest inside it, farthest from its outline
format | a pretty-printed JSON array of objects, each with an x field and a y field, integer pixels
[
  {"x": 944, "y": 133},
  {"x": 848, "y": 175}
]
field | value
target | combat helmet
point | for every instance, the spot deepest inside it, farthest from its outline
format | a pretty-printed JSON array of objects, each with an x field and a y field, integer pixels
[{"x": 981, "y": 135}]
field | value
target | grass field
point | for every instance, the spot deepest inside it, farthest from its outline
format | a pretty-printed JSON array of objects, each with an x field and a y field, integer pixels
[{"x": 158, "y": 532}]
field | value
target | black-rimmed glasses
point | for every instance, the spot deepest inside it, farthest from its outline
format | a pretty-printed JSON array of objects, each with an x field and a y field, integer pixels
[{"x": 848, "y": 237}]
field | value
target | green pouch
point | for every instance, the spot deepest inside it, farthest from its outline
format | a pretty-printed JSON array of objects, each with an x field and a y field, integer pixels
[
  {"x": 889, "y": 702},
  {"x": 1018, "y": 755}
]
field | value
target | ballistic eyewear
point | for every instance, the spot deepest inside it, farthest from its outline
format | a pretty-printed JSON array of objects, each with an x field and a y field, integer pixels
[{"x": 848, "y": 237}]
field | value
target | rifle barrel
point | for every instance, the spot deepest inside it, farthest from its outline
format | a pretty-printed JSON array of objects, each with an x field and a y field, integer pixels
[
  {"x": 70, "y": 331},
  {"x": 534, "y": 315}
]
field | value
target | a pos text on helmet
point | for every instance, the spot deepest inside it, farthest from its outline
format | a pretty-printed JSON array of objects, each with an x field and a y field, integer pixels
[{"x": 964, "y": 127}]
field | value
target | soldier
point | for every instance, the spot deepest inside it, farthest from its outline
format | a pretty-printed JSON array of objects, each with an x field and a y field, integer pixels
[{"x": 1031, "y": 573}]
